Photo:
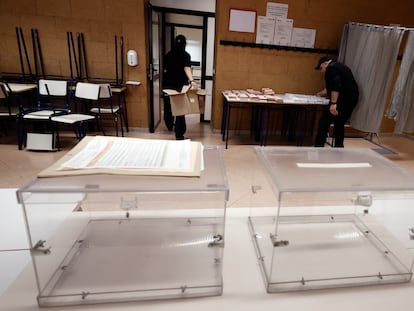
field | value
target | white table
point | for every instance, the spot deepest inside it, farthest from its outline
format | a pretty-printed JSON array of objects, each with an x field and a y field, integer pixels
[{"x": 265, "y": 104}]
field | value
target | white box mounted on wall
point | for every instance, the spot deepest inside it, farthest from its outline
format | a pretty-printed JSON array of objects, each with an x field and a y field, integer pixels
[{"x": 132, "y": 58}]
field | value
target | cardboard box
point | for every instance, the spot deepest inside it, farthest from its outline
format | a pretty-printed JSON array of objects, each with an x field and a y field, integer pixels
[
  {"x": 194, "y": 102},
  {"x": 184, "y": 102},
  {"x": 201, "y": 94},
  {"x": 38, "y": 141}
]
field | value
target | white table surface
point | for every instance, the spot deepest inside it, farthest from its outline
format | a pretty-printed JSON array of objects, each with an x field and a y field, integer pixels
[{"x": 243, "y": 284}]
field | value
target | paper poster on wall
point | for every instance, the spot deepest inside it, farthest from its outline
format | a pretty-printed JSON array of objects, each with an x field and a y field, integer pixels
[
  {"x": 242, "y": 20},
  {"x": 265, "y": 29},
  {"x": 274, "y": 9},
  {"x": 283, "y": 31},
  {"x": 303, "y": 37}
]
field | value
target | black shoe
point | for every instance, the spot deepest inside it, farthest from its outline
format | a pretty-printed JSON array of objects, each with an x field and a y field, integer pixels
[{"x": 179, "y": 138}]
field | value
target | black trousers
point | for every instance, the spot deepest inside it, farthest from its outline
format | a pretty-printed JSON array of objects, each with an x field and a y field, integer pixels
[
  {"x": 179, "y": 126},
  {"x": 168, "y": 117},
  {"x": 339, "y": 127}
]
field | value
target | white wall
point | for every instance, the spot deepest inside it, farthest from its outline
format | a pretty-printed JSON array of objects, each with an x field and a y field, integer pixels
[
  {"x": 195, "y": 5},
  {"x": 194, "y": 41}
]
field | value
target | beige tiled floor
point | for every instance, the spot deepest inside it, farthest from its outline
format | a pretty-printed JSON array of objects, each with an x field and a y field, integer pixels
[{"x": 242, "y": 168}]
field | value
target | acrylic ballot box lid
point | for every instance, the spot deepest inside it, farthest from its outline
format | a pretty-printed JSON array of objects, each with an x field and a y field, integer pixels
[
  {"x": 332, "y": 169},
  {"x": 105, "y": 238},
  {"x": 212, "y": 178},
  {"x": 334, "y": 220}
]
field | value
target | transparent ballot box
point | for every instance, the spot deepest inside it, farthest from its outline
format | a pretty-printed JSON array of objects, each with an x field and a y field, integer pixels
[
  {"x": 14, "y": 255},
  {"x": 112, "y": 238},
  {"x": 341, "y": 218}
]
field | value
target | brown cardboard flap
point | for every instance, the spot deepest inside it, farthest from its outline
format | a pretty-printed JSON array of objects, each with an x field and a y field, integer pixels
[
  {"x": 184, "y": 102},
  {"x": 193, "y": 99}
]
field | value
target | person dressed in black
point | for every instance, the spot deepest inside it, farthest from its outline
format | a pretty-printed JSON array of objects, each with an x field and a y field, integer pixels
[
  {"x": 177, "y": 73},
  {"x": 342, "y": 92}
]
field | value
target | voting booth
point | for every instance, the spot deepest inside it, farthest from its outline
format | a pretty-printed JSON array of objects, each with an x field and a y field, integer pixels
[
  {"x": 99, "y": 238},
  {"x": 335, "y": 219}
]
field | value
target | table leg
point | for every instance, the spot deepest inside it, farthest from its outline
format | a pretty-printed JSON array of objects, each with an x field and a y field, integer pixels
[
  {"x": 266, "y": 110},
  {"x": 227, "y": 122},
  {"x": 124, "y": 111},
  {"x": 301, "y": 128},
  {"x": 224, "y": 119}
]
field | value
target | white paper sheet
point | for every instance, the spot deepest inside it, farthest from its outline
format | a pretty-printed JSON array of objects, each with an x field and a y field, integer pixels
[
  {"x": 242, "y": 20},
  {"x": 100, "y": 153},
  {"x": 265, "y": 29},
  {"x": 303, "y": 37},
  {"x": 333, "y": 165},
  {"x": 283, "y": 31},
  {"x": 277, "y": 9}
]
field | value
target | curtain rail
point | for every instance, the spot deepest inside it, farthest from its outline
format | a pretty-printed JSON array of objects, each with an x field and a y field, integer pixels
[{"x": 382, "y": 26}]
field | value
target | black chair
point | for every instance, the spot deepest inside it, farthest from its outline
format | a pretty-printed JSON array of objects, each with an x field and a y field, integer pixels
[
  {"x": 53, "y": 99},
  {"x": 85, "y": 95},
  {"x": 105, "y": 109},
  {"x": 9, "y": 112}
]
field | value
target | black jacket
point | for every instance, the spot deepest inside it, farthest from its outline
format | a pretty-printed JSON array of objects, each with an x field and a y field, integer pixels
[{"x": 338, "y": 77}]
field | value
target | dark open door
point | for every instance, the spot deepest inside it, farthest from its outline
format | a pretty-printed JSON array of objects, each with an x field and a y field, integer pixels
[{"x": 154, "y": 37}]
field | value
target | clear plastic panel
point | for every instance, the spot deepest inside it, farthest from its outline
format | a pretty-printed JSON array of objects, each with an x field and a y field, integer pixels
[
  {"x": 123, "y": 238},
  {"x": 333, "y": 224},
  {"x": 151, "y": 258},
  {"x": 311, "y": 252}
]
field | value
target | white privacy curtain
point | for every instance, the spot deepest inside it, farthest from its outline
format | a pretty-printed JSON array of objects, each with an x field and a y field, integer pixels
[
  {"x": 371, "y": 52},
  {"x": 401, "y": 108}
]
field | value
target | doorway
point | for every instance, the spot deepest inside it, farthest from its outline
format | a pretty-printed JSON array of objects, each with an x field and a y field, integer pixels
[{"x": 198, "y": 28}]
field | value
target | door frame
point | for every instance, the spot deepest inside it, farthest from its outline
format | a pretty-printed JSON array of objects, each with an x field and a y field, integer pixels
[
  {"x": 150, "y": 77},
  {"x": 154, "y": 121}
]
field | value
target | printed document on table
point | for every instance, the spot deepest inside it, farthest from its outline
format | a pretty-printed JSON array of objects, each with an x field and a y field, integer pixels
[
  {"x": 304, "y": 99},
  {"x": 132, "y": 156}
]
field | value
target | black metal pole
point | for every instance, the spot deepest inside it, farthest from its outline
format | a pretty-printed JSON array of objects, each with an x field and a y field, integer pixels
[
  {"x": 20, "y": 53},
  {"x": 116, "y": 61},
  {"x": 84, "y": 56},
  {"x": 70, "y": 56},
  {"x": 25, "y": 52},
  {"x": 122, "y": 60},
  {"x": 34, "y": 51},
  {"x": 74, "y": 55},
  {"x": 79, "y": 55},
  {"x": 42, "y": 67}
]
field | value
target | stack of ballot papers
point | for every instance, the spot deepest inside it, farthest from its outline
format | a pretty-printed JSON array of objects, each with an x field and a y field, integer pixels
[
  {"x": 304, "y": 99},
  {"x": 130, "y": 156}
]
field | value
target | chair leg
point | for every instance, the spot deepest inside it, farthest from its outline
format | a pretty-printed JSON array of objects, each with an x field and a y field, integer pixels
[
  {"x": 124, "y": 116},
  {"x": 82, "y": 130},
  {"x": 121, "y": 116},
  {"x": 116, "y": 124},
  {"x": 79, "y": 130},
  {"x": 99, "y": 124},
  {"x": 19, "y": 131},
  {"x": 23, "y": 134},
  {"x": 57, "y": 136}
]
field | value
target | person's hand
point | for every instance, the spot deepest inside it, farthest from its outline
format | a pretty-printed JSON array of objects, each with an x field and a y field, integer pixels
[
  {"x": 332, "y": 109},
  {"x": 322, "y": 93},
  {"x": 194, "y": 84}
]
